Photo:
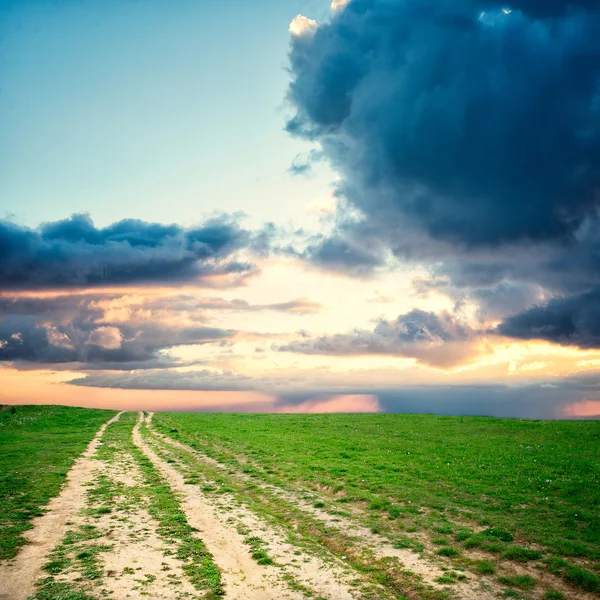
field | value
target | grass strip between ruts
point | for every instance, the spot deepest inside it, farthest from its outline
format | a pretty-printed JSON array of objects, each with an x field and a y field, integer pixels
[{"x": 199, "y": 565}]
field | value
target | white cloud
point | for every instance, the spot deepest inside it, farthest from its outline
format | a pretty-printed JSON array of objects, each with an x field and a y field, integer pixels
[
  {"x": 301, "y": 26},
  {"x": 56, "y": 338},
  {"x": 339, "y": 4},
  {"x": 109, "y": 338}
]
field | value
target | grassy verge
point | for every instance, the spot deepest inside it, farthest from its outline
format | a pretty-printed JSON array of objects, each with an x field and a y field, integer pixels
[{"x": 38, "y": 445}]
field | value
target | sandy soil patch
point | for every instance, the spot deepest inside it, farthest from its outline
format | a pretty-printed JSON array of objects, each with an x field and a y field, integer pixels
[{"x": 140, "y": 564}]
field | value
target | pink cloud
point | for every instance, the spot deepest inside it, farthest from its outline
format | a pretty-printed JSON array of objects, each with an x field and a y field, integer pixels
[
  {"x": 585, "y": 408},
  {"x": 350, "y": 403}
]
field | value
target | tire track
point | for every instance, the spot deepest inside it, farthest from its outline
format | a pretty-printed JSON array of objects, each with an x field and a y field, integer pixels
[
  {"x": 428, "y": 569},
  {"x": 131, "y": 558},
  {"x": 242, "y": 576},
  {"x": 18, "y": 576}
]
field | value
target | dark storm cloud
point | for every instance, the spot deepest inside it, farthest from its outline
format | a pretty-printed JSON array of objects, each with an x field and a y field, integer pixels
[
  {"x": 437, "y": 340},
  {"x": 74, "y": 252},
  {"x": 467, "y": 134},
  {"x": 510, "y": 281},
  {"x": 560, "y": 268},
  {"x": 572, "y": 321},
  {"x": 507, "y": 297},
  {"x": 454, "y": 118},
  {"x": 22, "y": 340}
]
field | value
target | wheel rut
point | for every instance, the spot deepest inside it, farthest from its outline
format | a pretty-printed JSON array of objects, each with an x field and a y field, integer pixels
[
  {"x": 378, "y": 546},
  {"x": 243, "y": 577}
]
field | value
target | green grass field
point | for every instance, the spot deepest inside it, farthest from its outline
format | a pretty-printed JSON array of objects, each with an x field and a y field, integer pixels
[
  {"x": 510, "y": 508},
  {"x": 518, "y": 490},
  {"x": 38, "y": 445}
]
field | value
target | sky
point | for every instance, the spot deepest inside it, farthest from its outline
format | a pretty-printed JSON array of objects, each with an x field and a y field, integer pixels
[{"x": 301, "y": 206}]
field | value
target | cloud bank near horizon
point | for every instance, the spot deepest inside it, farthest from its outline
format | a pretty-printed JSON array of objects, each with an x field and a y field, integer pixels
[{"x": 541, "y": 399}]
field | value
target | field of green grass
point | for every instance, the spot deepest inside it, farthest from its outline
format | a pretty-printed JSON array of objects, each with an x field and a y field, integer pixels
[
  {"x": 396, "y": 507},
  {"x": 38, "y": 445},
  {"x": 519, "y": 491}
]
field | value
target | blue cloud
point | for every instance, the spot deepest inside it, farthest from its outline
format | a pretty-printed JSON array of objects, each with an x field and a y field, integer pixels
[
  {"x": 473, "y": 124},
  {"x": 437, "y": 340},
  {"x": 570, "y": 320},
  {"x": 343, "y": 254},
  {"x": 74, "y": 252}
]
